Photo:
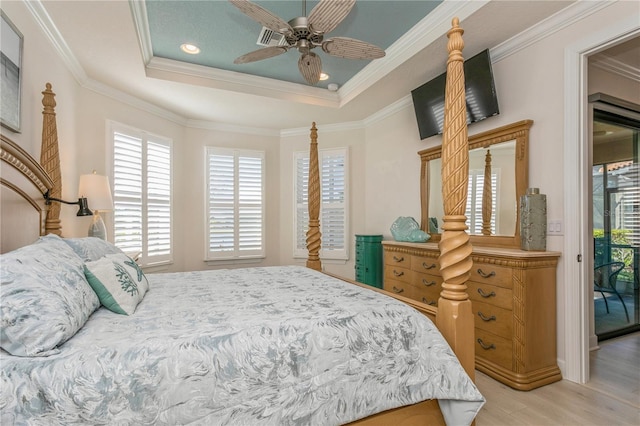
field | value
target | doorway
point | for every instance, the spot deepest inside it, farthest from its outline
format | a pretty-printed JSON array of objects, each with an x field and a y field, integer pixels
[{"x": 616, "y": 216}]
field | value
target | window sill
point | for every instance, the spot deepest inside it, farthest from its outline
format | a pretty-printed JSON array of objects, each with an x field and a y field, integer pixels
[{"x": 239, "y": 261}]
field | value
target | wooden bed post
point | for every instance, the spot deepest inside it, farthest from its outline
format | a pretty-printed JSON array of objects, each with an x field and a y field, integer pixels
[
  {"x": 487, "y": 196},
  {"x": 455, "y": 318},
  {"x": 50, "y": 160},
  {"x": 313, "y": 233}
]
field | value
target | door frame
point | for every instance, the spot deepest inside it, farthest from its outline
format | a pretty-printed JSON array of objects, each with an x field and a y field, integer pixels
[{"x": 578, "y": 295}]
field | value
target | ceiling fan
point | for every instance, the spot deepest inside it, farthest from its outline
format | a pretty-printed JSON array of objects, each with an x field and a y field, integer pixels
[{"x": 306, "y": 33}]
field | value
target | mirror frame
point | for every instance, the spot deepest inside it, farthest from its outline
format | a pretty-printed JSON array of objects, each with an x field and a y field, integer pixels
[{"x": 519, "y": 132}]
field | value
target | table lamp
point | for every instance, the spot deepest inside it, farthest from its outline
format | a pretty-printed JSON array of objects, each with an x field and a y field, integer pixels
[{"x": 97, "y": 190}]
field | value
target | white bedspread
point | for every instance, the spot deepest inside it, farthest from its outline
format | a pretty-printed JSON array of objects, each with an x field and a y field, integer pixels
[{"x": 276, "y": 346}]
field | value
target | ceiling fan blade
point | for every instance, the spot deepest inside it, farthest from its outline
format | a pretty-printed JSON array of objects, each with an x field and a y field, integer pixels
[
  {"x": 260, "y": 54},
  {"x": 351, "y": 48},
  {"x": 328, "y": 14},
  {"x": 310, "y": 67},
  {"x": 263, "y": 16}
]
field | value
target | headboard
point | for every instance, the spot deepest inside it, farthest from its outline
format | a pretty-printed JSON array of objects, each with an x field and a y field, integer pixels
[{"x": 23, "y": 182}]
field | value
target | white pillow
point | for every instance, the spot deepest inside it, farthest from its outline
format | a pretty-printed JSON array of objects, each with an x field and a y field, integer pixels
[{"x": 118, "y": 281}]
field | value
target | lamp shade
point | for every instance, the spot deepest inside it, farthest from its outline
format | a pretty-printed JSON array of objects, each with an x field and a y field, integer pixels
[{"x": 97, "y": 190}]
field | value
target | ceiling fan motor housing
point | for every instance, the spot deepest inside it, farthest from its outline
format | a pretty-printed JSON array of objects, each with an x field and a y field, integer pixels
[{"x": 302, "y": 31}]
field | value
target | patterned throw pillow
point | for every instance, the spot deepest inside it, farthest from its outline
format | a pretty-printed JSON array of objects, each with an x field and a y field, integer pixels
[
  {"x": 118, "y": 281},
  {"x": 45, "y": 297},
  {"x": 91, "y": 248}
]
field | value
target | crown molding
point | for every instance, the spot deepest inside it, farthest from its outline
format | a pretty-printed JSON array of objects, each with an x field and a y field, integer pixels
[
  {"x": 183, "y": 72},
  {"x": 127, "y": 99},
  {"x": 389, "y": 110},
  {"x": 141, "y": 23},
  {"x": 543, "y": 29},
  {"x": 612, "y": 65},
  {"x": 231, "y": 128},
  {"x": 43, "y": 19},
  {"x": 325, "y": 128}
]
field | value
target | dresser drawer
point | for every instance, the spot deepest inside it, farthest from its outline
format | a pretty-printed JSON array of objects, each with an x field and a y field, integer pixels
[
  {"x": 397, "y": 259},
  {"x": 492, "y": 319},
  {"x": 399, "y": 287},
  {"x": 494, "y": 348},
  {"x": 487, "y": 293},
  {"x": 491, "y": 274},
  {"x": 427, "y": 295},
  {"x": 425, "y": 264},
  {"x": 397, "y": 273}
]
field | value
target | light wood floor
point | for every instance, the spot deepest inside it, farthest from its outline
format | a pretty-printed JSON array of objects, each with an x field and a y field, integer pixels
[{"x": 611, "y": 398}]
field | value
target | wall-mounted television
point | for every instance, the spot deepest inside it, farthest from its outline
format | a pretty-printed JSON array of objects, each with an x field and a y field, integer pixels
[{"x": 480, "y": 92}]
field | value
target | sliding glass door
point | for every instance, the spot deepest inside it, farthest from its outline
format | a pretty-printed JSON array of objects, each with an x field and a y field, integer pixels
[{"x": 616, "y": 224}]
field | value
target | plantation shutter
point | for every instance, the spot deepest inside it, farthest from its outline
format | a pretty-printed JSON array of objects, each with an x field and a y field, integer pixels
[
  {"x": 158, "y": 200},
  {"x": 235, "y": 200},
  {"x": 333, "y": 207},
  {"x": 127, "y": 192},
  {"x": 142, "y": 195},
  {"x": 474, "y": 201}
]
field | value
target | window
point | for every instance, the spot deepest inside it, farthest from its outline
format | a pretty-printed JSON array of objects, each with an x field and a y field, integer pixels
[
  {"x": 474, "y": 201},
  {"x": 235, "y": 204},
  {"x": 142, "y": 194},
  {"x": 333, "y": 208}
]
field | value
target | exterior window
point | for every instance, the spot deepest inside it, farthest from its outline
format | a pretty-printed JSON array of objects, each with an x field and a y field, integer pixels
[
  {"x": 142, "y": 194},
  {"x": 235, "y": 204},
  {"x": 333, "y": 208},
  {"x": 474, "y": 201}
]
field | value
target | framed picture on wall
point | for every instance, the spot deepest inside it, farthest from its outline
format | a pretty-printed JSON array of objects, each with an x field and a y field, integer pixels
[{"x": 11, "y": 68}]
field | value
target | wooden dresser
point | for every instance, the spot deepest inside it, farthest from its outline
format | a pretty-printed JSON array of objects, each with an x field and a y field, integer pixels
[{"x": 513, "y": 294}]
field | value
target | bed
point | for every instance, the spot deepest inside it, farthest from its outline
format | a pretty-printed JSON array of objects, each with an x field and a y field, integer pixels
[{"x": 273, "y": 345}]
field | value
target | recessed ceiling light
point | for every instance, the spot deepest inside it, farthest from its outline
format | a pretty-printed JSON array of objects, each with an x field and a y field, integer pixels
[
  {"x": 190, "y": 48},
  {"x": 324, "y": 76}
]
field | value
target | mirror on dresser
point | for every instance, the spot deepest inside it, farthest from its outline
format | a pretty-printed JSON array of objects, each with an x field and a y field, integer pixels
[{"x": 498, "y": 176}]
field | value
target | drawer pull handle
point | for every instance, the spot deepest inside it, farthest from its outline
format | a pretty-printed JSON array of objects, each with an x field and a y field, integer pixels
[
  {"x": 398, "y": 274},
  {"x": 428, "y": 283},
  {"x": 485, "y": 275},
  {"x": 486, "y": 318},
  {"x": 432, "y": 302},
  {"x": 398, "y": 259},
  {"x": 483, "y": 294},
  {"x": 397, "y": 290},
  {"x": 425, "y": 266},
  {"x": 485, "y": 346}
]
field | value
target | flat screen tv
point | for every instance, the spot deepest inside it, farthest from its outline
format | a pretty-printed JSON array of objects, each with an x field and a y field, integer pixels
[{"x": 480, "y": 91}]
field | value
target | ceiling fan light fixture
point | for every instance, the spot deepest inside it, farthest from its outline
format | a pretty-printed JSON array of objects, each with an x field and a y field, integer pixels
[{"x": 191, "y": 49}]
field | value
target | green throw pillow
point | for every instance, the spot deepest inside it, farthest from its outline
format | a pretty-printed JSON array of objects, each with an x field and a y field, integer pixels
[{"x": 118, "y": 281}]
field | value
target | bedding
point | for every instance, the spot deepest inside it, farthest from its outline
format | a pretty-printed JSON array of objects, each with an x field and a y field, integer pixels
[
  {"x": 273, "y": 345},
  {"x": 44, "y": 297}
]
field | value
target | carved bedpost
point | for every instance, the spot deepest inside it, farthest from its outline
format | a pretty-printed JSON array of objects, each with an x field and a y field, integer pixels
[
  {"x": 487, "y": 196},
  {"x": 50, "y": 160},
  {"x": 313, "y": 233},
  {"x": 455, "y": 318}
]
